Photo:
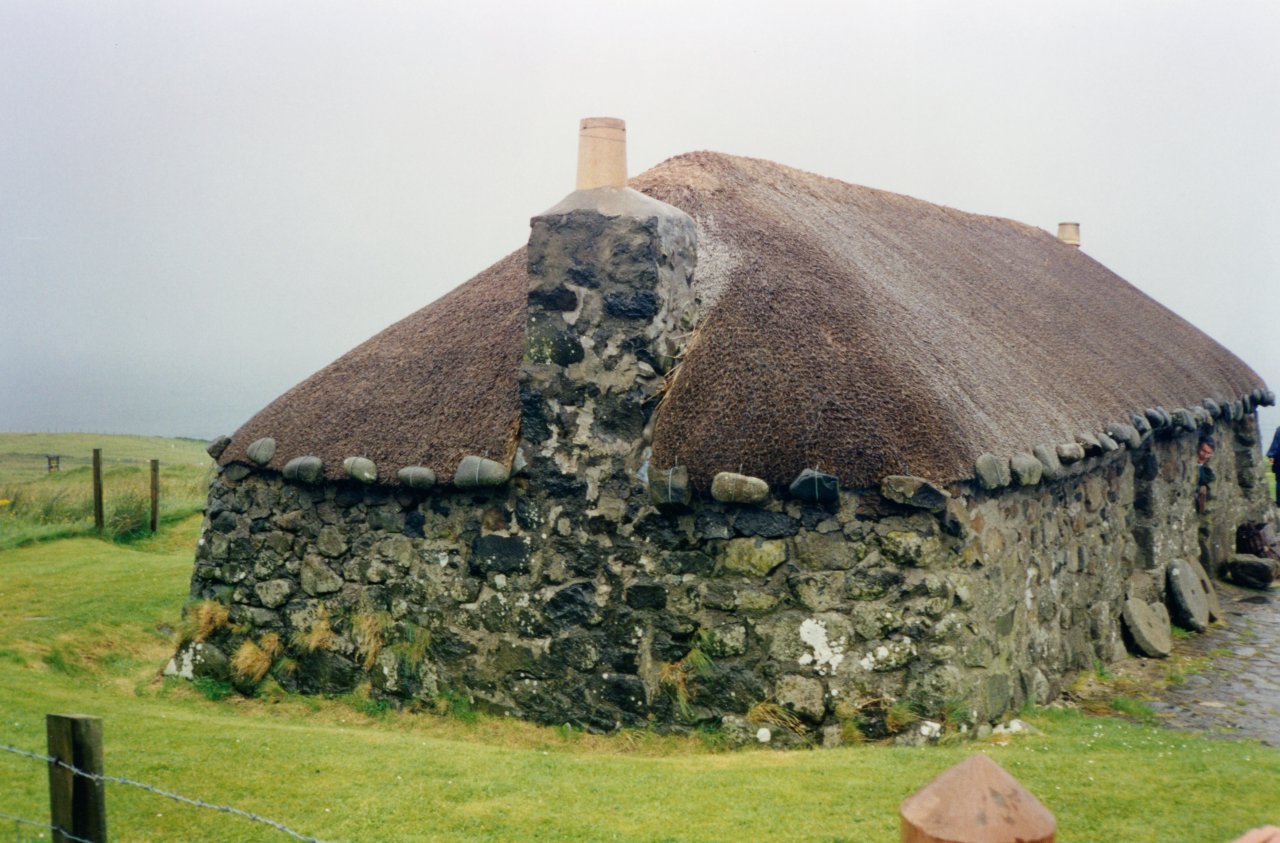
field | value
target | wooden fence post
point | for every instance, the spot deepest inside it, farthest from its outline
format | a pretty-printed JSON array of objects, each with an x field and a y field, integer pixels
[
  {"x": 155, "y": 494},
  {"x": 975, "y": 802},
  {"x": 77, "y": 804},
  {"x": 97, "y": 489}
]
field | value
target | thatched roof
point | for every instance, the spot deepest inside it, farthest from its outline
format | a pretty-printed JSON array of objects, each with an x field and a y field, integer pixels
[
  {"x": 434, "y": 387},
  {"x": 845, "y": 328}
]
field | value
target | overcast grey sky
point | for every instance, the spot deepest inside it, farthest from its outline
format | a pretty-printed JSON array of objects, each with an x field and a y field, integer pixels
[{"x": 201, "y": 203}]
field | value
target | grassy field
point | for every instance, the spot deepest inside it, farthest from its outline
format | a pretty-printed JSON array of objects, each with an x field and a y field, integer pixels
[
  {"x": 85, "y": 626},
  {"x": 37, "y": 505}
]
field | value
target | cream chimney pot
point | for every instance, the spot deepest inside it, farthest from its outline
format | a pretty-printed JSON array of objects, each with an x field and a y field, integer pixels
[
  {"x": 602, "y": 153},
  {"x": 1069, "y": 233}
]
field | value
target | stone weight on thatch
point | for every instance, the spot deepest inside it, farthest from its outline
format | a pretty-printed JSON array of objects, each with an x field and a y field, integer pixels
[
  {"x": 914, "y": 491},
  {"x": 1148, "y": 625},
  {"x": 308, "y": 469},
  {"x": 217, "y": 446},
  {"x": 1048, "y": 456},
  {"x": 1187, "y": 598},
  {"x": 416, "y": 477},
  {"x": 1070, "y": 452},
  {"x": 670, "y": 486},
  {"x": 1089, "y": 443},
  {"x": 478, "y": 472},
  {"x": 1212, "y": 406},
  {"x": 738, "y": 488},
  {"x": 813, "y": 485},
  {"x": 993, "y": 472},
  {"x": 262, "y": 450},
  {"x": 361, "y": 469},
  {"x": 1124, "y": 433},
  {"x": 1027, "y": 470},
  {"x": 1108, "y": 444}
]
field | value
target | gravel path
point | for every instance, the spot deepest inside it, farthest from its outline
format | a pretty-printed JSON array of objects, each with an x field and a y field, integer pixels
[{"x": 1239, "y": 695}]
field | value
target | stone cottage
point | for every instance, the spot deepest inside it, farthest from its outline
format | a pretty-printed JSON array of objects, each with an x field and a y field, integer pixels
[{"x": 730, "y": 442}]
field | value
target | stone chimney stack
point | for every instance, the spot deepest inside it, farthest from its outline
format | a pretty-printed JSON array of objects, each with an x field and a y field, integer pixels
[
  {"x": 1069, "y": 233},
  {"x": 602, "y": 153},
  {"x": 610, "y": 305}
]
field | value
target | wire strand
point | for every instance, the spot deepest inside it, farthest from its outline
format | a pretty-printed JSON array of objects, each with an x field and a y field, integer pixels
[{"x": 177, "y": 797}]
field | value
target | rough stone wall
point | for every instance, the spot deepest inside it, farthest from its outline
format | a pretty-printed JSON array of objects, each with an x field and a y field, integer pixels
[{"x": 563, "y": 600}]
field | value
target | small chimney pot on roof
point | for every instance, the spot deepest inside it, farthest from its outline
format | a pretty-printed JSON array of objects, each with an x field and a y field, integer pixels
[
  {"x": 1069, "y": 233},
  {"x": 602, "y": 153}
]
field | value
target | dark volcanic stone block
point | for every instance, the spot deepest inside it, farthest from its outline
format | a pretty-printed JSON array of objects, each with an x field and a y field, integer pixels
[
  {"x": 499, "y": 554},
  {"x": 638, "y": 304},
  {"x": 769, "y": 525},
  {"x": 646, "y": 596},
  {"x": 559, "y": 299},
  {"x": 573, "y": 605}
]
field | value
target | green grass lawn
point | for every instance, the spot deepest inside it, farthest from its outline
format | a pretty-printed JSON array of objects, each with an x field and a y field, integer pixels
[
  {"x": 85, "y": 626},
  {"x": 38, "y": 505}
]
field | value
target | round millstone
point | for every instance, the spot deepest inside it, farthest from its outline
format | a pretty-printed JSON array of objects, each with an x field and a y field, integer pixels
[
  {"x": 360, "y": 468},
  {"x": 1186, "y": 597},
  {"x": 308, "y": 469},
  {"x": 478, "y": 472},
  {"x": 1211, "y": 593},
  {"x": 416, "y": 477},
  {"x": 262, "y": 450},
  {"x": 1148, "y": 624},
  {"x": 738, "y": 488}
]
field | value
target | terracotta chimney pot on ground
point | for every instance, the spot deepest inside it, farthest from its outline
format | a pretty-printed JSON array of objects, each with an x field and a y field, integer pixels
[
  {"x": 602, "y": 153},
  {"x": 1069, "y": 233}
]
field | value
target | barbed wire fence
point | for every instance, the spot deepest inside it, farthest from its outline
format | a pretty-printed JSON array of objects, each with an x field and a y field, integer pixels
[{"x": 101, "y": 779}]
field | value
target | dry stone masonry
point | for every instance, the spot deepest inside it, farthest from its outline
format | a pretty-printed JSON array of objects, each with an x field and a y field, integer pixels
[{"x": 570, "y": 596}]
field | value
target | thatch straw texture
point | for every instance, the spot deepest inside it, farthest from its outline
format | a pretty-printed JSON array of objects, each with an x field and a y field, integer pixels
[
  {"x": 849, "y": 329},
  {"x": 432, "y": 388},
  {"x": 867, "y": 333}
]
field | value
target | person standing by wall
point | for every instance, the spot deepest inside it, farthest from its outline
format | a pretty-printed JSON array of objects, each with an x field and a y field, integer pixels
[
  {"x": 1204, "y": 474},
  {"x": 1273, "y": 454}
]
